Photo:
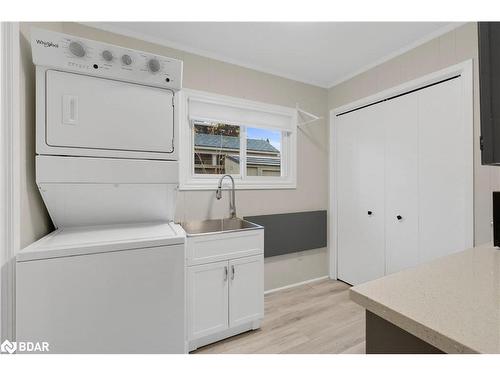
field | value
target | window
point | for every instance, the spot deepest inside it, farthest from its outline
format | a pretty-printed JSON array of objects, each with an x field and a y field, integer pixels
[
  {"x": 215, "y": 148},
  {"x": 253, "y": 142},
  {"x": 263, "y": 152}
]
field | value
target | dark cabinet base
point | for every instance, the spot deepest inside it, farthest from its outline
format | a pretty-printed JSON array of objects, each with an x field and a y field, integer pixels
[{"x": 383, "y": 337}]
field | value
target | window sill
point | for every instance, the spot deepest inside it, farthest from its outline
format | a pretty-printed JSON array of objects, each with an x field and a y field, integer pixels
[{"x": 211, "y": 184}]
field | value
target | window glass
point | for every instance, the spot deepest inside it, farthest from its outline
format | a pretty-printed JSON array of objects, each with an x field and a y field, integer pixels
[
  {"x": 263, "y": 156},
  {"x": 216, "y": 148}
]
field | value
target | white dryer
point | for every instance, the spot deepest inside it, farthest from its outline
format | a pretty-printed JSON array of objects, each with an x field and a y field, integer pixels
[
  {"x": 106, "y": 131},
  {"x": 110, "y": 279}
]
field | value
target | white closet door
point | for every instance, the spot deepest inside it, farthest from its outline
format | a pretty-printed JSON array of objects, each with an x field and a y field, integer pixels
[
  {"x": 347, "y": 197},
  {"x": 409, "y": 161},
  {"x": 401, "y": 180},
  {"x": 360, "y": 195},
  {"x": 445, "y": 170}
]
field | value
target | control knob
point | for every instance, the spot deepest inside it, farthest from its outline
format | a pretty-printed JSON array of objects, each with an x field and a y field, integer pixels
[
  {"x": 154, "y": 65},
  {"x": 126, "y": 60},
  {"x": 77, "y": 49},
  {"x": 107, "y": 55}
]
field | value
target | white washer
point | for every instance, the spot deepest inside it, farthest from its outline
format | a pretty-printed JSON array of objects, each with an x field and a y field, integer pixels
[
  {"x": 110, "y": 279},
  {"x": 104, "y": 289}
]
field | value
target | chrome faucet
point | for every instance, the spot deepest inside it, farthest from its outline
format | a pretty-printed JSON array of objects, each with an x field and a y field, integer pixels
[{"x": 232, "y": 201}]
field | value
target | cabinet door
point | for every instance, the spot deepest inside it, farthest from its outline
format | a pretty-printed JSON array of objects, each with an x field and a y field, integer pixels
[
  {"x": 246, "y": 290},
  {"x": 207, "y": 299},
  {"x": 360, "y": 195},
  {"x": 401, "y": 183}
]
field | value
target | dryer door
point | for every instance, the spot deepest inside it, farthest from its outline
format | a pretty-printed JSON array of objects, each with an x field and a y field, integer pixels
[{"x": 102, "y": 117}]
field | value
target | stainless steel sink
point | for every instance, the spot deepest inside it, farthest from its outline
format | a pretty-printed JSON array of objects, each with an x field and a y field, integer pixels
[{"x": 195, "y": 228}]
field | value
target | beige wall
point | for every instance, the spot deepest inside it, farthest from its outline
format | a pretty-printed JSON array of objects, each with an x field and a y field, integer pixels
[
  {"x": 451, "y": 48},
  {"x": 210, "y": 75},
  {"x": 34, "y": 219}
]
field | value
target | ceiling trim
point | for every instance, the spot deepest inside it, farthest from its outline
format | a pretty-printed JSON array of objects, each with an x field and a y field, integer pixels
[
  {"x": 433, "y": 35},
  {"x": 115, "y": 28},
  {"x": 198, "y": 51}
]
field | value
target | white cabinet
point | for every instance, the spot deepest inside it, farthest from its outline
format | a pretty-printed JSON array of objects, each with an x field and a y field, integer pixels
[
  {"x": 226, "y": 293},
  {"x": 403, "y": 182},
  {"x": 208, "y": 299}
]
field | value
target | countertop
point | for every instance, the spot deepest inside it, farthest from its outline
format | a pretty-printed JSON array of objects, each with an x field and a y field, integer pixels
[{"x": 453, "y": 303}]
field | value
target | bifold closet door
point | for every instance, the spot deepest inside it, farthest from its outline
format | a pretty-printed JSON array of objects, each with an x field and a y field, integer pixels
[
  {"x": 401, "y": 183},
  {"x": 360, "y": 195},
  {"x": 404, "y": 181},
  {"x": 445, "y": 191}
]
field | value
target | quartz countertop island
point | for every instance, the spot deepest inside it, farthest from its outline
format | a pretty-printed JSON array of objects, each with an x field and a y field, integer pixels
[{"x": 451, "y": 303}]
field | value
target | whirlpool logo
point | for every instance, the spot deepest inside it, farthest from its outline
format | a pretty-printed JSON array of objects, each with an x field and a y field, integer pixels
[
  {"x": 24, "y": 346},
  {"x": 47, "y": 44}
]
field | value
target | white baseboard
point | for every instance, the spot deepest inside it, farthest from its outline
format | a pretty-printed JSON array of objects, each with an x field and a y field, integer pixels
[
  {"x": 202, "y": 341},
  {"x": 296, "y": 284}
]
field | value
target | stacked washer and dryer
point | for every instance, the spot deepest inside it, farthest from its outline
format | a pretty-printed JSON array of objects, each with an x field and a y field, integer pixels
[{"x": 110, "y": 278}]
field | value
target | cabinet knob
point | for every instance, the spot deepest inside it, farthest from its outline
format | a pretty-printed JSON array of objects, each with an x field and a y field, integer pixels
[
  {"x": 370, "y": 213},
  {"x": 399, "y": 217},
  {"x": 225, "y": 273}
]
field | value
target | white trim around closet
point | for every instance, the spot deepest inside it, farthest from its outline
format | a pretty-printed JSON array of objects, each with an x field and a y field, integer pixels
[{"x": 463, "y": 69}]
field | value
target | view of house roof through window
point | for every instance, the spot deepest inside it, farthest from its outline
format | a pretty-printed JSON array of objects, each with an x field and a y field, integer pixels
[{"x": 217, "y": 150}]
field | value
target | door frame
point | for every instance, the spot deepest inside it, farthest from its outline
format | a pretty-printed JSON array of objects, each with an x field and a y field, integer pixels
[
  {"x": 465, "y": 70},
  {"x": 10, "y": 173}
]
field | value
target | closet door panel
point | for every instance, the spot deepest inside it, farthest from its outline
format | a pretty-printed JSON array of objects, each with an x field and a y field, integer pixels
[
  {"x": 372, "y": 191},
  {"x": 360, "y": 190},
  {"x": 347, "y": 196},
  {"x": 401, "y": 181},
  {"x": 445, "y": 224}
]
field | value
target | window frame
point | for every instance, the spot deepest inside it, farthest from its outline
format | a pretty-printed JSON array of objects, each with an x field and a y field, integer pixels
[{"x": 288, "y": 153}]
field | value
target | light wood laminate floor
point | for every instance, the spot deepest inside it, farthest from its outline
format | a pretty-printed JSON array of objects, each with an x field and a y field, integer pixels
[{"x": 314, "y": 318}]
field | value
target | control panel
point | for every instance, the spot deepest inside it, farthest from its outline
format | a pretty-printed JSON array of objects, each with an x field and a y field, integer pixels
[{"x": 69, "y": 53}]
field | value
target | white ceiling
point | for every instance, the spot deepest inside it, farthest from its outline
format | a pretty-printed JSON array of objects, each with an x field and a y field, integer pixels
[{"x": 320, "y": 53}]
